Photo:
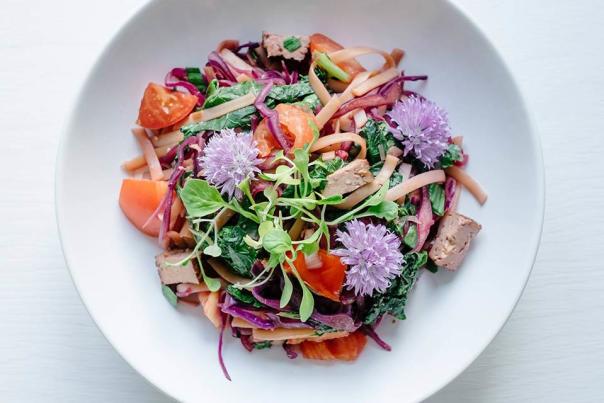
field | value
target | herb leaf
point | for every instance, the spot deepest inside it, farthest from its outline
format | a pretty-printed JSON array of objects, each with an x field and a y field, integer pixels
[
  {"x": 388, "y": 210},
  {"x": 410, "y": 238},
  {"x": 321, "y": 169},
  {"x": 276, "y": 241},
  {"x": 288, "y": 289},
  {"x": 200, "y": 198}
]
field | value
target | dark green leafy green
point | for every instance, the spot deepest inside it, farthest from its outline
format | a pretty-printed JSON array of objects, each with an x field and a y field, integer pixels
[
  {"x": 239, "y": 255},
  {"x": 393, "y": 301},
  {"x": 379, "y": 140},
  {"x": 292, "y": 43},
  {"x": 452, "y": 155},
  {"x": 431, "y": 266},
  {"x": 319, "y": 172},
  {"x": 288, "y": 94},
  {"x": 310, "y": 102},
  {"x": 244, "y": 296},
  {"x": 437, "y": 198}
]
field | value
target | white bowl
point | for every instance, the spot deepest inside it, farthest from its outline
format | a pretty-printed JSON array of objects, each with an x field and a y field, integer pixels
[{"x": 452, "y": 317}]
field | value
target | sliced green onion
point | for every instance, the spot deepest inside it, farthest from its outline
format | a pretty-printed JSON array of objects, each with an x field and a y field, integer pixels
[{"x": 331, "y": 68}]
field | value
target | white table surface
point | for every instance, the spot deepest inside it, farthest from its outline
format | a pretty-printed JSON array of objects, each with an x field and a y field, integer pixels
[{"x": 551, "y": 350}]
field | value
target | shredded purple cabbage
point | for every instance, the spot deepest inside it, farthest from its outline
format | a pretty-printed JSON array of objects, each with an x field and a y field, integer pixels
[
  {"x": 370, "y": 331},
  {"x": 177, "y": 77},
  {"x": 290, "y": 351},
  {"x": 220, "y": 337}
]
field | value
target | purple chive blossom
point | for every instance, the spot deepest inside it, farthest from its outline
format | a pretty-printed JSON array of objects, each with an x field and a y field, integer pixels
[
  {"x": 373, "y": 254},
  {"x": 229, "y": 158},
  {"x": 422, "y": 127}
]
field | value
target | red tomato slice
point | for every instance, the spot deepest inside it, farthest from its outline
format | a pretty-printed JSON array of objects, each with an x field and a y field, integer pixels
[
  {"x": 323, "y": 43},
  {"x": 139, "y": 198},
  {"x": 326, "y": 280},
  {"x": 162, "y": 107},
  {"x": 295, "y": 125}
]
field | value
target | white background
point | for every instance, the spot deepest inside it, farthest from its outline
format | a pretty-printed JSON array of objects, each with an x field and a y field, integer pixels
[{"x": 551, "y": 350}]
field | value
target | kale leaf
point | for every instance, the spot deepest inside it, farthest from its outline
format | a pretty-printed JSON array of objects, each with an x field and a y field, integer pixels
[
  {"x": 319, "y": 172},
  {"x": 244, "y": 296},
  {"x": 452, "y": 155},
  {"x": 235, "y": 251},
  {"x": 379, "y": 140},
  {"x": 393, "y": 301}
]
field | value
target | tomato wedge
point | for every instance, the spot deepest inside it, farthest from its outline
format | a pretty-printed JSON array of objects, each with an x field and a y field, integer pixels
[
  {"x": 343, "y": 348},
  {"x": 326, "y": 280},
  {"x": 323, "y": 43},
  {"x": 162, "y": 107},
  {"x": 295, "y": 125},
  {"x": 139, "y": 198}
]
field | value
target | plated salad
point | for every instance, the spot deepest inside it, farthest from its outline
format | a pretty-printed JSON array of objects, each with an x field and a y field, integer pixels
[{"x": 297, "y": 195}]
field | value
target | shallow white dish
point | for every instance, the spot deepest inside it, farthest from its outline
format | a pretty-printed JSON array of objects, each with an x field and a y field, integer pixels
[{"x": 451, "y": 316}]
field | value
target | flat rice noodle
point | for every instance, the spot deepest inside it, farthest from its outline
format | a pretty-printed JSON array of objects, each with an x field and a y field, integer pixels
[
  {"x": 223, "y": 271},
  {"x": 235, "y": 61},
  {"x": 414, "y": 183},
  {"x": 140, "y": 161},
  {"x": 149, "y": 153},
  {"x": 296, "y": 229},
  {"x": 350, "y": 53},
  {"x": 327, "y": 112},
  {"x": 337, "y": 85},
  {"x": 168, "y": 139},
  {"x": 317, "y": 85},
  {"x": 209, "y": 302},
  {"x": 360, "y": 119},
  {"x": 375, "y": 82},
  {"x": 279, "y": 334},
  {"x": 468, "y": 182},
  {"x": 185, "y": 289},
  {"x": 397, "y": 55},
  {"x": 231, "y": 44},
  {"x": 364, "y": 192},
  {"x": 338, "y": 138}
]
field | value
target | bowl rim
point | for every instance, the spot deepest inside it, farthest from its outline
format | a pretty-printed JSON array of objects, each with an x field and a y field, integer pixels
[{"x": 534, "y": 138}]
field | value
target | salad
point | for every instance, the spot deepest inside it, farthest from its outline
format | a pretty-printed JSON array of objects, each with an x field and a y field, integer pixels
[{"x": 297, "y": 195}]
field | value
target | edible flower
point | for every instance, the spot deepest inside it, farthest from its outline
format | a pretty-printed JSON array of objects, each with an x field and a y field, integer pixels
[
  {"x": 373, "y": 254},
  {"x": 229, "y": 158},
  {"x": 422, "y": 127}
]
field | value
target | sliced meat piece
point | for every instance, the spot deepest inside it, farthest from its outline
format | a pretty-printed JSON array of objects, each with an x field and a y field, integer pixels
[
  {"x": 175, "y": 274},
  {"x": 452, "y": 241},
  {"x": 348, "y": 178},
  {"x": 277, "y": 45}
]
